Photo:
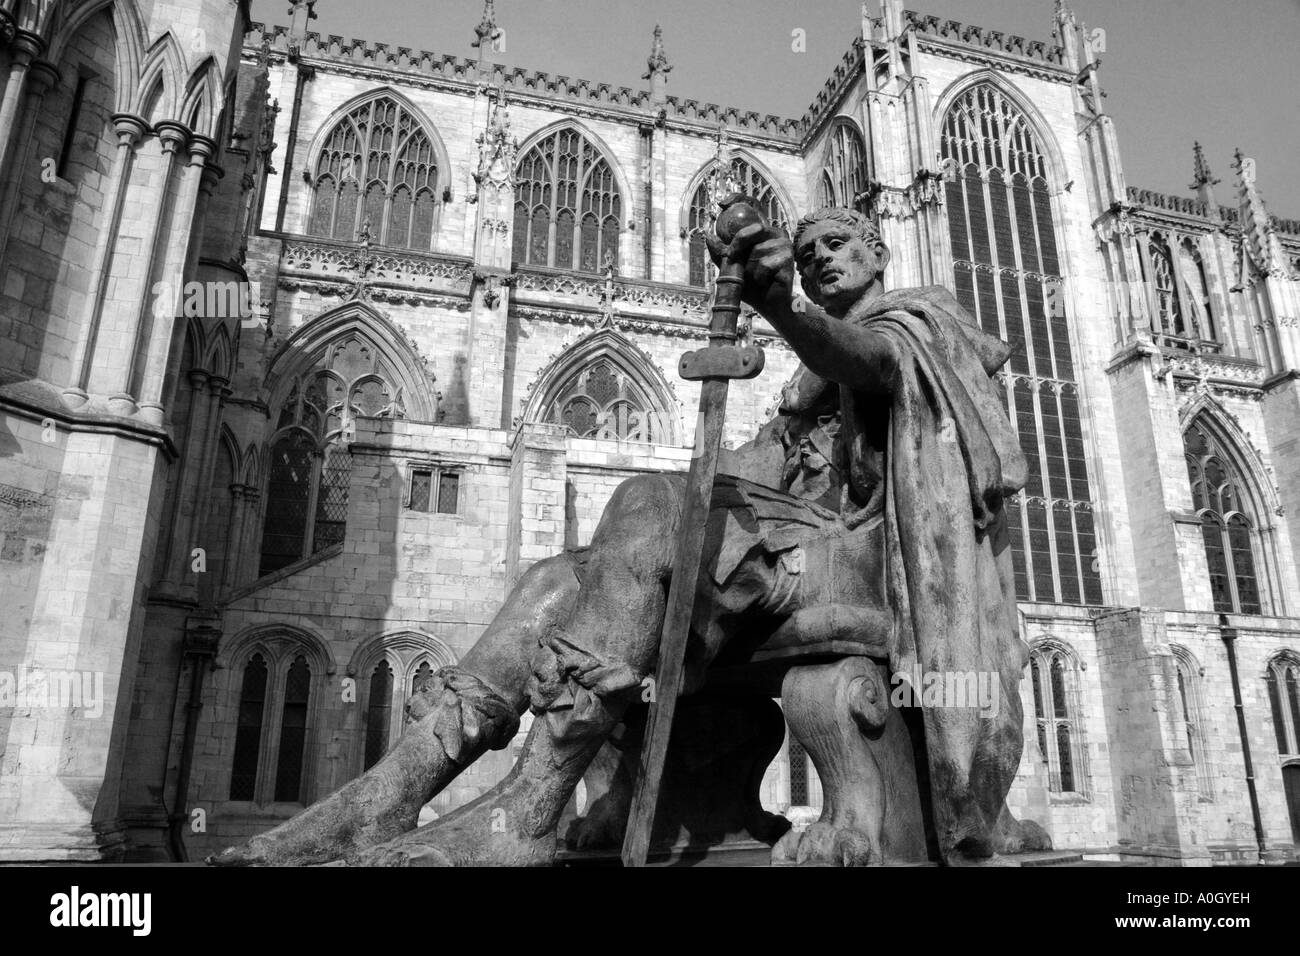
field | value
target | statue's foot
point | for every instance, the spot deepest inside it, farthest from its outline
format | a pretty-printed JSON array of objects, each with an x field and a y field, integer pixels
[
  {"x": 1019, "y": 836},
  {"x": 602, "y": 828},
  {"x": 491, "y": 831},
  {"x": 826, "y": 844},
  {"x": 341, "y": 826}
]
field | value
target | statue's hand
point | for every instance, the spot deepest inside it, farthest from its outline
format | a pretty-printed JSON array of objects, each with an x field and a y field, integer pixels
[{"x": 768, "y": 257}]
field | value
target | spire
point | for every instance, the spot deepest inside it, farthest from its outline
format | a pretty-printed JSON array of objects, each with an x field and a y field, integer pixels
[
  {"x": 1201, "y": 175},
  {"x": 1203, "y": 180},
  {"x": 1259, "y": 238},
  {"x": 659, "y": 67},
  {"x": 487, "y": 35}
]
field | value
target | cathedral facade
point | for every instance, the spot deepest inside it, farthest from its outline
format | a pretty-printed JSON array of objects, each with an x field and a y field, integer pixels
[{"x": 312, "y": 346}]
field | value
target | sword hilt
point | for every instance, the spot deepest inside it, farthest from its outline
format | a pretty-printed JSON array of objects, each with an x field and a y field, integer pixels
[{"x": 723, "y": 359}]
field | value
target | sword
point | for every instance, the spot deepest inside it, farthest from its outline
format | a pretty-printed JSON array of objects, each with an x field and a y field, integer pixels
[{"x": 713, "y": 367}]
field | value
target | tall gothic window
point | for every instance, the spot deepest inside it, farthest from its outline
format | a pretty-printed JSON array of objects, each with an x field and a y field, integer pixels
[
  {"x": 272, "y": 725},
  {"x": 377, "y": 166},
  {"x": 293, "y": 732},
  {"x": 1226, "y": 526},
  {"x": 844, "y": 176},
  {"x": 1192, "y": 720},
  {"x": 310, "y": 470},
  {"x": 1052, "y": 674},
  {"x": 1192, "y": 269},
  {"x": 1181, "y": 291},
  {"x": 1169, "y": 309},
  {"x": 741, "y": 176},
  {"x": 567, "y": 205},
  {"x": 248, "y": 730},
  {"x": 1008, "y": 275},
  {"x": 603, "y": 401},
  {"x": 1283, "y": 680},
  {"x": 379, "y": 711}
]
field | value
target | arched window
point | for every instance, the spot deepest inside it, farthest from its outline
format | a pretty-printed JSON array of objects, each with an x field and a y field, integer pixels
[
  {"x": 272, "y": 724},
  {"x": 307, "y": 492},
  {"x": 1008, "y": 275},
  {"x": 740, "y": 176},
  {"x": 1227, "y": 528},
  {"x": 293, "y": 732},
  {"x": 1169, "y": 310},
  {"x": 377, "y": 166},
  {"x": 1192, "y": 272},
  {"x": 1052, "y": 675},
  {"x": 379, "y": 712},
  {"x": 1191, "y": 718},
  {"x": 423, "y": 674},
  {"x": 1283, "y": 680},
  {"x": 388, "y": 669},
  {"x": 248, "y": 730},
  {"x": 567, "y": 205},
  {"x": 603, "y": 401},
  {"x": 844, "y": 175}
]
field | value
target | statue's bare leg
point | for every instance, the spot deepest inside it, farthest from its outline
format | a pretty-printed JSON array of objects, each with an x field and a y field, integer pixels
[
  {"x": 585, "y": 675},
  {"x": 465, "y": 711}
]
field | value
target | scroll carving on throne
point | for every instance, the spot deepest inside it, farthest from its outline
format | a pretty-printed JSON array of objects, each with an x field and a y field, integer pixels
[{"x": 861, "y": 534}]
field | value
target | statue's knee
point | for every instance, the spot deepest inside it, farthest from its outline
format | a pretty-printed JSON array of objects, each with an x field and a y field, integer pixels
[
  {"x": 657, "y": 494},
  {"x": 547, "y": 578}
]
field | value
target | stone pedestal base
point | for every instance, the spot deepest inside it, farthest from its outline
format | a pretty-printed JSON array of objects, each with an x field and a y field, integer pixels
[{"x": 53, "y": 843}]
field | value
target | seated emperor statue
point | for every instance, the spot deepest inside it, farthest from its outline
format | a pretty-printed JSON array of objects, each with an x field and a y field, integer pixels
[{"x": 906, "y": 486}]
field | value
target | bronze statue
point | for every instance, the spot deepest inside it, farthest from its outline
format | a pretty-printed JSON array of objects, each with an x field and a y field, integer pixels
[{"x": 861, "y": 533}]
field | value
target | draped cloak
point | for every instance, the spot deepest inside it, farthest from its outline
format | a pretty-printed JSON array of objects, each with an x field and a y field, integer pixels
[{"x": 949, "y": 457}]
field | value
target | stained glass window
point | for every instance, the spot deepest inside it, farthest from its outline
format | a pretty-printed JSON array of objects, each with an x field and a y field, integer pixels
[
  {"x": 1227, "y": 528},
  {"x": 567, "y": 205},
  {"x": 248, "y": 730},
  {"x": 1008, "y": 274},
  {"x": 379, "y": 711},
  {"x": 739, "y": 176},
  {"x": 377, "y": 166},
  {"x": 1057, "y": 724}
]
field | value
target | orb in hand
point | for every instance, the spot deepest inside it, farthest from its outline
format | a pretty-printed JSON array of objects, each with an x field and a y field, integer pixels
[{"x": 735, "y": 218}]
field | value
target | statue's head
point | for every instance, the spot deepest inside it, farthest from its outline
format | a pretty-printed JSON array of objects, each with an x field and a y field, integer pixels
[{"x": 840, "y": 256}]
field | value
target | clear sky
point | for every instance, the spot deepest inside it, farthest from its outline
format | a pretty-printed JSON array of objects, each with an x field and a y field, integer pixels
[{"x": 1225, "y": 73}]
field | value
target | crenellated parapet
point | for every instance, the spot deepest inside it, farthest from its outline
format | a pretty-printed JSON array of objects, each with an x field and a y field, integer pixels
[
  {"x": 993, "y": 46},
  {"x": 453, "y": 72},
  {"x": 824, "y": 106}
]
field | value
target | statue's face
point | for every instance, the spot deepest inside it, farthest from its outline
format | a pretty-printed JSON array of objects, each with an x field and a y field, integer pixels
[{"x": 836, "y": 266}]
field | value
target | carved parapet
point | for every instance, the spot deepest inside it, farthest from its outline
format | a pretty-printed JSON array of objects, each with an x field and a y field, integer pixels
[
  {"x": 1183, "y": 205},
  {"x": 845, "y": 72},
  {"x": 305, "y": 260}
]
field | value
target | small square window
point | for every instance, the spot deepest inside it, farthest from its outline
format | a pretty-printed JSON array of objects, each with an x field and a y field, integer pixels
[
  {"x": 448, "y": 492},
  {"x": 434, "y": 491},
  {"x": 421, "y": 489}
]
